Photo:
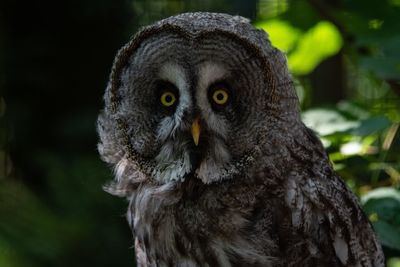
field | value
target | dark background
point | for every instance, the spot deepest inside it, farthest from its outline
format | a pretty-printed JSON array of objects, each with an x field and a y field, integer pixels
[{"x": 55, "y": 60}]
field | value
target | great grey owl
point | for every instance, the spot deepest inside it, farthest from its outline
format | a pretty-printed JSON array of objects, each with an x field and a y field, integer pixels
[{"x": 202, "y": 126}]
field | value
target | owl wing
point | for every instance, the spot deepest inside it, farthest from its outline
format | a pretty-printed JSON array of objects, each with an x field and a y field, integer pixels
[{"x": 328, "y": 225}]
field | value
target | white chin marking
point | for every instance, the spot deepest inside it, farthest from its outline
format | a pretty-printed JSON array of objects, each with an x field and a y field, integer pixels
[
  {"x": 173, "y": 162},
  {"x": 170, "y": 168},
  {"x": 216, "y": 165}
]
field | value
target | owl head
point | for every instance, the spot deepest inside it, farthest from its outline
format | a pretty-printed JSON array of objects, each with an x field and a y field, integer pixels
[{"x": 196, "y": 95}]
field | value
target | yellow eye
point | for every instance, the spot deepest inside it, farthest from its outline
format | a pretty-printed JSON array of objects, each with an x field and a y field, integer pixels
[
  {"x": 220, "y": 96},
  {"x": 168, "y": 99}
]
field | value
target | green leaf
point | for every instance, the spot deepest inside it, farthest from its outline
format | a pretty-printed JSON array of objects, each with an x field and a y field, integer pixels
[
  {"x": 326, "y": 121},
  {"x": 306, "y": 50},
  {"x": 318, "y": 43},
  {"x": 383, "y": 192},
  {"x": 281, "y": 34},
  {"x": 384, "y": 67},
  {"x": 388, "y": 234},
  {"x": 371, "y": 125},
  {"x": 383, "y": 206},
  {"x": 393, "y": 262}
]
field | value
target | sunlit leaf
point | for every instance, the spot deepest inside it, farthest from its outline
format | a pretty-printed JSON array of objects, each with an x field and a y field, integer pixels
[
  {"x": 306, "y": 50},
  {"x": 393, "y": 262},
  {"x": 317, "y": 44},
  {"x": 326, "y": 121},
  {"x": 380, "y": 193},
  {"x": 351, "y": 148},
  {"x": 281, "y": 33}
]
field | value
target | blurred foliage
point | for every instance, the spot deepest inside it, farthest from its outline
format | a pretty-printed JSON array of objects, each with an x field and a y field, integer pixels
[
  {"x": 305, "y": 50},
  {"x": 383, "y": 205},
  {"x": 345, "y": 58}
]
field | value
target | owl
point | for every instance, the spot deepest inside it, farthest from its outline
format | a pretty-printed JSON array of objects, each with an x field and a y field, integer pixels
[{"x": 202, "y": 127}]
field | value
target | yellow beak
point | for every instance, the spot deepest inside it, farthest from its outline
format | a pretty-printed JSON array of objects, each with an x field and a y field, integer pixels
[{"x": 196, "y": 130}]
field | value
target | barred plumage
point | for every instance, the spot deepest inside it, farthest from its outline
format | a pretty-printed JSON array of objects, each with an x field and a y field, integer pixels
[{"x": 258, "y": 189}]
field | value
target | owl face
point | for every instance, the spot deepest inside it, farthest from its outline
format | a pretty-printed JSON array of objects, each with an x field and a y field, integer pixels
[
  {"x": 192, "y": 105},
  {"x": 199, "y": 95}
]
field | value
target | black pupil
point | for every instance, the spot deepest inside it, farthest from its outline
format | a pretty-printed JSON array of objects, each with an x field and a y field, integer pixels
[
  {"x": 220, "y": 96},
  {"x": 168, "y": 98}
]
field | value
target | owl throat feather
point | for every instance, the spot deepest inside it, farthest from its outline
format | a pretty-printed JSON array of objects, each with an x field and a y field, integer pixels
[{"x": 209, "y": 160}]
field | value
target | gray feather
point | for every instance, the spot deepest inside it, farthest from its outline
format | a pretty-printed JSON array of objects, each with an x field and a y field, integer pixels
[{"x": 259, "y": 190}]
